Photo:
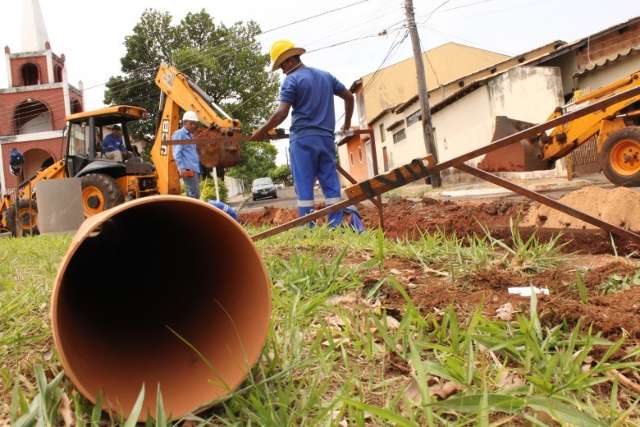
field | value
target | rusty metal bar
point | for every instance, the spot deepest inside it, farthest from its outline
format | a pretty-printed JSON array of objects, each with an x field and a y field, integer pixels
[
  {"x": 374, "y": 154},
  {"x": 346, "y": 174},
  {"x": 549, "y": 202},
  {"x": 500, "y": 143}
]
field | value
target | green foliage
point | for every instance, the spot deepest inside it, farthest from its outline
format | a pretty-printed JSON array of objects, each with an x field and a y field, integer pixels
[
  {"x": 257, "y": 160},
  {"x": 225, "y": 61},
  {"x": 282, "y": 174},
  {"x": 208, "y": 190},
  {"x": 618, "y": 282}
]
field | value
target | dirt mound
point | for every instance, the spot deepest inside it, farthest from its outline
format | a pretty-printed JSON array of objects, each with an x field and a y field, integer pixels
[
  {"x": 410, "y": 218},
  {"x": 618, "y": 206},
  {"x": 268, "y": 216},
  {"x": 406, "y": 218}
]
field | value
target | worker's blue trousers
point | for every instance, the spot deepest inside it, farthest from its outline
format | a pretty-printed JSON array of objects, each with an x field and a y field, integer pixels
[{"x": 315, "y": 157}]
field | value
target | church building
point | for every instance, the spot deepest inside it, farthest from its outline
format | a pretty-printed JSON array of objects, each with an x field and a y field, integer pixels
[{"x": 37, "y": 100}]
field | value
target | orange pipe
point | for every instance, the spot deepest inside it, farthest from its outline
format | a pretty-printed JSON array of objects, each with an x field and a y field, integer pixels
[{"x": 161, "y": 290}]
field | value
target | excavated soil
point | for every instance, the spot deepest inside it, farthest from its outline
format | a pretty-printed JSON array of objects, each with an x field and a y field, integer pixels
[
  {"x": 408, "y": 219},
  {"x": 613, "y": 315},
  {"x": 618, "y": 206}
]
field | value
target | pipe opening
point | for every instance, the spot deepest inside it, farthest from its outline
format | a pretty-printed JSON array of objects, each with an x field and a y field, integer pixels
[{"x": 159, "y": 277}]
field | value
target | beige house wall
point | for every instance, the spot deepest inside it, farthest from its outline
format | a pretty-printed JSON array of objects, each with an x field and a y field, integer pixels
[
  {"x": 525, "y": 93},
  {"x": 397, "y": 83}
]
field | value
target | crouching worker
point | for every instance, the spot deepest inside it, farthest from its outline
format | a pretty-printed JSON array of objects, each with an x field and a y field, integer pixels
[
  {"x": 225, "y": 208},
  {"x": 311, "y": 143},
  {"x": 352, "y": 219}
]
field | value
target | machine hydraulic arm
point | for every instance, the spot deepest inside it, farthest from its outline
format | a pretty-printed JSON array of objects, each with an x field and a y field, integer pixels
[{"x": 178, "y": 93}]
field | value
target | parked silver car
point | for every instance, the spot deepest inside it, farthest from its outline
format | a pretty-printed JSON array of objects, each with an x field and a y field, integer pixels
[{"x": 263, "y": 188}]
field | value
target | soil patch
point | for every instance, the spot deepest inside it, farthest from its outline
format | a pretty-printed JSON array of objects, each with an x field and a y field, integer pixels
[
  {"x": 613, "y": 315},
  {"x": 618, "y": 206},
  {"x": 409, "y": 218}
]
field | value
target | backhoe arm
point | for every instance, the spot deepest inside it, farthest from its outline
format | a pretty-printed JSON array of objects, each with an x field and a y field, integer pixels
[{"x": 180, "y": 93}]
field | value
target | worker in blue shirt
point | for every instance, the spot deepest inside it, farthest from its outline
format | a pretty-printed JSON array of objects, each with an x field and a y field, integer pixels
[
  {"x": 113, "y": 145},
  {"x": 311, "y": 143},
  {"x": 186, "y": 156}
]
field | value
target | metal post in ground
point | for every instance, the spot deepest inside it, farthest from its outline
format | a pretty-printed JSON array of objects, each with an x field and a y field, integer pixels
[
  {"x": 427, "y": 124},
  {"x": 215, "y": 183}
]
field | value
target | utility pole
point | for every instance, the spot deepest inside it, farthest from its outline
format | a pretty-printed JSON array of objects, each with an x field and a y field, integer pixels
[{"x": 427, "y": 124}]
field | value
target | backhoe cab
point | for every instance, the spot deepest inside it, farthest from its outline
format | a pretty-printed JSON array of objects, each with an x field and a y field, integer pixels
[{"x": 105, "y": 183}]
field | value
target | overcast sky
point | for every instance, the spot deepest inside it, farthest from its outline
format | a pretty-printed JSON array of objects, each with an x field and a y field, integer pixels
[{"x": 91, "y": 33}]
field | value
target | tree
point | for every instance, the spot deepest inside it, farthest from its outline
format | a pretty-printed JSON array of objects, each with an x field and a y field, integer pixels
[
  {"x": 282, "y": 174},
  {"x": 258, "y": 159},
  {"x": 225, "y": 61}
]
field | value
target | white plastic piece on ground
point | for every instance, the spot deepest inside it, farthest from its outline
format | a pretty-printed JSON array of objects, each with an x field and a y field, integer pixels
[{"x": 525, "y": 291}]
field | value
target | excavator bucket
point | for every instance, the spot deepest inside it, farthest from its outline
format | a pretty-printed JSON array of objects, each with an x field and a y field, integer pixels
[{"x": 524, "y": 155}]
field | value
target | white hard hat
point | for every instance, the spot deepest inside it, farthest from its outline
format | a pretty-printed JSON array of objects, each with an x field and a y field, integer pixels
[{"x": 190, "y": 115}]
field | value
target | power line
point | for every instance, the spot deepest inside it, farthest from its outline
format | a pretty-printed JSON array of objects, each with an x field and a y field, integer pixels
[
  {"x": 462, "y": 6},
  {"x": 313, "y": 16},
  {"x": 308, "y": 18},
  {"x": 127, "y": 86},
  {"x": 394, "y": 45},
  {"x": 434, "y": 10}
]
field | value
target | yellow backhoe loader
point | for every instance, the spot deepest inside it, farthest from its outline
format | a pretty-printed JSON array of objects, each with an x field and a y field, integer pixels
[
  {"x": 107, "y": 183},
  {"x": 616, "y": 130}
]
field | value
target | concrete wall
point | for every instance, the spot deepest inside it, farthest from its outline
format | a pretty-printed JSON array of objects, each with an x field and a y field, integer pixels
[
  {"x": 234, "y": 186},
  {"x": 465, "y": 125},
  {"x": 607, "y": 74},
  {"x": 568, "y": 68},
  {"x": 529, "y": 94},
  {"x": 525, "y": 93}
]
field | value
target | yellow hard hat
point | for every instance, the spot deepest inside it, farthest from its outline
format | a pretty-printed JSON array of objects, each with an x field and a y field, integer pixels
[{"x": 283, "y": 50}]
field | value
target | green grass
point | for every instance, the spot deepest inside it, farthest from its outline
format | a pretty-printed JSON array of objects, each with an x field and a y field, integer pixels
[{"x": 333, "y": 355}]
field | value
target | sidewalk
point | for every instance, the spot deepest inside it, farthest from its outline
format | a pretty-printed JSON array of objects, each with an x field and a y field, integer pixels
[
  {"x": 486, "y": 189},
  {"x": 237, "y": 201}
]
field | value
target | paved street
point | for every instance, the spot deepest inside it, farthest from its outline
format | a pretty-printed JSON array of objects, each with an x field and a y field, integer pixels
[{"x": 286, "y": 199}]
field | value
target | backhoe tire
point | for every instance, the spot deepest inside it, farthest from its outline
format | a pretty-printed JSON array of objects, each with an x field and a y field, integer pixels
[
  {"x": 99, "y": 193},
  {"x": 620, "y": 157},
  {"x": 27, "y": 219}
]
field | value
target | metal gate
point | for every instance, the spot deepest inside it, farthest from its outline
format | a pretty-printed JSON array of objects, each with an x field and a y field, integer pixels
[{"x": 585, "y": 158}]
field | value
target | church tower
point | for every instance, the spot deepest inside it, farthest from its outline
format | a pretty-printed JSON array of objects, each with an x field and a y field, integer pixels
[{"x": 38, "y": 98}]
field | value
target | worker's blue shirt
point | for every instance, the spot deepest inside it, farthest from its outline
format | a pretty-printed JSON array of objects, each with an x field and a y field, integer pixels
[
  {"x": 111, "y": 143},
  {"x": 186, "y": 156},
  {"x": 310, "y": 92}
]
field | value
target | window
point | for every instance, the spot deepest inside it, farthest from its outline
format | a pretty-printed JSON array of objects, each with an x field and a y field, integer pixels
[
  {"x": 414, "y": 118},
  {"x": 385, "y": 158},
  {"x": 78, "y": 139},
  {"x": 76, "y": 106},
  {"x": 30, "y": 75},
  {"x": 32, "y": 116},
  {"x": 399, "y": 136},
  {"x": 58, "y": 74},
  {"x": 381, "y": 132}
]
